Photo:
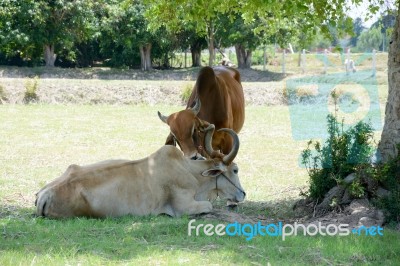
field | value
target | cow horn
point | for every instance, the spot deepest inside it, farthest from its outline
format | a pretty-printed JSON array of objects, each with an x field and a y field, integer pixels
[
  {"x": 162, "y": 117},
  {"x": 209, "y": 132},
  {"x": 235, "y": 149},
  {"x": 196, "y": 108}
]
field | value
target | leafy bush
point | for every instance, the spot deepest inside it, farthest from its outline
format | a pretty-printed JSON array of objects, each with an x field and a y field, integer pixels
[
  {"x": 356, "y": 189},
  {"x": 31, "y": 87},
  {"x": 340, "y": 155},
  {"x": 346, "y": 152}
]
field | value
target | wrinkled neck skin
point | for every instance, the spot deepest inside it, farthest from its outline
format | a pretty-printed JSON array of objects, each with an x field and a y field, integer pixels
[{"x": 207, "y": 185}]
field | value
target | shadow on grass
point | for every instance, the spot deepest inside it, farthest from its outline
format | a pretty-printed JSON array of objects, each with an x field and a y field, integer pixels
[
  {"x": 10, "y": 211},
  {"x": 162, "y": 239},
  {"x": 253, "y": 211},
  {"x": 124, "y": 238}
]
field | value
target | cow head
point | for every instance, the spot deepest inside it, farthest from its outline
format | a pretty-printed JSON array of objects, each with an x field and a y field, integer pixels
[
  {"x": 186, "y": 129},
  {"x": 223, "y": 170}
]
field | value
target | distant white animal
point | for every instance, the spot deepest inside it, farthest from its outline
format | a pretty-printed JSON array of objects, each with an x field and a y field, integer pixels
[{"x": 350, "y": 66}]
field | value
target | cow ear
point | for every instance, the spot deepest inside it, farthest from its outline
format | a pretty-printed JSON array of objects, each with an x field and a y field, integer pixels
[{"x": 214, "y": 171}]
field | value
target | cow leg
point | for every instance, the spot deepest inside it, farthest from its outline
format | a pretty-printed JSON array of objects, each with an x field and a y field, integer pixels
[
  {"x": 184, "y": 203},
  {"x": 59, "y": 201},
  {"x": 43, "y": 200}
]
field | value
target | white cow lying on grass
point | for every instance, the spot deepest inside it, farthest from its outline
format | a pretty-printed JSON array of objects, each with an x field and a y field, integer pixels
[{"x": 164, "y": 183}]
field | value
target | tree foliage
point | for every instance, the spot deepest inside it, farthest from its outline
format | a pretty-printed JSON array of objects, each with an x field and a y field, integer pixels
[
  {"x": 278, "y": 20},
  {"x": 358, "y": 28},
  {"x": 176, "y": 15},
  {"x": 118, "y": 32},
  {"x": 370, "y": 40},
  {"x": 31, "y": 27},
  {"x": 241, "y": 35},
  {"x": 122, "y": 31}
]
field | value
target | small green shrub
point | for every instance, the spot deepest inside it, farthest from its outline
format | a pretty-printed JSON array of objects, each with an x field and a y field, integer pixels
[
  {"x": 356, "y": 189},
  {"x": 31, "y": 86},
  {"x": 186, "y": 92},
  {"x": 340, "y": 155},
  {"x": 346, "y": 152}
]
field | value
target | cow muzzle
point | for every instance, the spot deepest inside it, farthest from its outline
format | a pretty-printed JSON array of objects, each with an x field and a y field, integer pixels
[{"x": 239, "y": 195}]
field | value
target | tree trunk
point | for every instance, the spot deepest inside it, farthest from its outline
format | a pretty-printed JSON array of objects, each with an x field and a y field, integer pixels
[
  {"x": 49, "y": 55},
  {"x": 185, "y": 58},
  {"x": 196, "y": 55},
  {"x": 210, "y": 41},
  {"x": 243, "y": 56},
  {"x": 145, "y": 57},
  {"x": 391, "y": 130}
]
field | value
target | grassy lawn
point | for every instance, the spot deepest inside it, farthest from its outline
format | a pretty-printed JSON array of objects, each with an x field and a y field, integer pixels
[
  {"x": 38, "y": 142},
  {"x": 164, "y": 241}
]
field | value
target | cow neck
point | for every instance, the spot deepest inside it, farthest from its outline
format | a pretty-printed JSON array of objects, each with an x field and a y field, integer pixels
[
  {"x": 197, "y": 167},
  {"x": 206, "y": 191}
]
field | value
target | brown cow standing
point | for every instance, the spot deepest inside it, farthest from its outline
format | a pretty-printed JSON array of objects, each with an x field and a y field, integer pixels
[{"x": 217, "y": 98}]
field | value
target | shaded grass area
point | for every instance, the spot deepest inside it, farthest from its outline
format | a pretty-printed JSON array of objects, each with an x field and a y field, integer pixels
[
  {"x": 38, "y": 142},
  {"x": 163, "y": 240}
]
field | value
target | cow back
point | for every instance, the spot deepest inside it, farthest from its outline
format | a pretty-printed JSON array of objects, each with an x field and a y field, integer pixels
[{"x": 222, "y": 98}]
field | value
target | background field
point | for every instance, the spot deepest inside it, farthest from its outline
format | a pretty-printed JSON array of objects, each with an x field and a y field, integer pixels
[
  {"x": 38, "y": 142},
  {"x": 42, "y": 140}
]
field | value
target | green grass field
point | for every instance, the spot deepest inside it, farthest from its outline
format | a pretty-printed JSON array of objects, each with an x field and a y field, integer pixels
[
  {"x": 45, "y": 139},
  {"x": 38, "y": 142}
]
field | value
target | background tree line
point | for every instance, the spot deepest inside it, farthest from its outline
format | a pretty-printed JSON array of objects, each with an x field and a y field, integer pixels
[
  {"x": 114, "y": 32},
  {"x": 146, "y": 33}
]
